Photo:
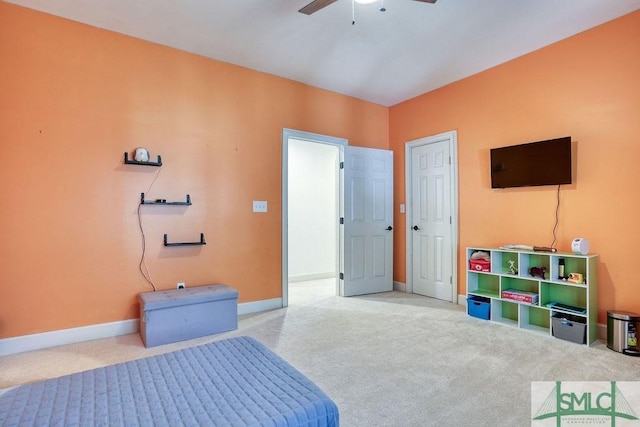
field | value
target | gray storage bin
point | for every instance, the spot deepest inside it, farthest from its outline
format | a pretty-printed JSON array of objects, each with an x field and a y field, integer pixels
[
  {"x": 569, "y": 327},
  {"x": 182, "y": 314}
]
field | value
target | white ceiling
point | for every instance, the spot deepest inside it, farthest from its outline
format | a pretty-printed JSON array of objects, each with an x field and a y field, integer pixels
[{"x": 386, "y": 57}]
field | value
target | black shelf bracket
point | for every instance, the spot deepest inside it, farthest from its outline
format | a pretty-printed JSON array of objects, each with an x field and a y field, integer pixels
[
  {"x": 164, "y": 202},
  {"x": 201, "y": 242},
  {"x": 135, "y": 162}
]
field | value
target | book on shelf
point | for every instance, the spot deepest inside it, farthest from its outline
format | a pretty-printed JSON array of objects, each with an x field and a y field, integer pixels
[{"x": 520, "y": 296}]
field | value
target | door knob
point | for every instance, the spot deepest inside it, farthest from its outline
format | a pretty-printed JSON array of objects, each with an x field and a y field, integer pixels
[
  {"x": 415, "y": 227},
  {"x": 389, "y": 228}
]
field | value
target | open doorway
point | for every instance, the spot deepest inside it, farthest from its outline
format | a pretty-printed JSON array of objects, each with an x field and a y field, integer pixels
[
  {"x": 313, "y": 220},
  {"x": 310, "y": 212}
]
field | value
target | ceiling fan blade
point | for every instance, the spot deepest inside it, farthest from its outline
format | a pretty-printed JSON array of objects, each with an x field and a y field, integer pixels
[
  {"x": 315, "y": 6},
  {"x": 427, "y": 1}
]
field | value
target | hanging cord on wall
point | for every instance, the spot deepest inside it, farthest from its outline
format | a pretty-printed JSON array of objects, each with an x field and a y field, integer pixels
[
  {"x": 353, "y": 12},
  {"x": 142, "y": 266},
  {"x": 555, "y": 227}
]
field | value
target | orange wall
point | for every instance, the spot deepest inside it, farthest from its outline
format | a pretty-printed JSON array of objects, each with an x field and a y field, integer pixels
[
  {"x": 73, "y": 99},
  {"x": 588, "y": 87}
]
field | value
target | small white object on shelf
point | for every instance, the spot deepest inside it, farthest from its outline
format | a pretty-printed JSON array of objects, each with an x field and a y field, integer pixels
[
  {"x": 580, "y": 246},
  {"x": 142, "y": 154}
]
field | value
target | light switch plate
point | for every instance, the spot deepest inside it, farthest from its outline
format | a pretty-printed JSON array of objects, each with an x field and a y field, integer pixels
[{"x": 260, "y": 206}]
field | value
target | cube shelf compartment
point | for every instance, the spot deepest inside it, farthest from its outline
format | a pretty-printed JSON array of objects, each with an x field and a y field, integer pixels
[
  {"x": 484, "y": 285},
  {"x": 551, "y": 288}
]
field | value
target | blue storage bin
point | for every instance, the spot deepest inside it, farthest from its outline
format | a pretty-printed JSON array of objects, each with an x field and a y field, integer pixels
[{"x": 478, "y": 307}]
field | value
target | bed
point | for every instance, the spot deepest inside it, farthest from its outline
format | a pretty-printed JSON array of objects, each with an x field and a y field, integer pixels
[{"x": 232, "y": 382}]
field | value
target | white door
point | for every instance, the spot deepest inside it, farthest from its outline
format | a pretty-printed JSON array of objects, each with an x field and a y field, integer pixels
[
  {"x": 367, "y": 261},
  {"x": 431, "y": 220}
]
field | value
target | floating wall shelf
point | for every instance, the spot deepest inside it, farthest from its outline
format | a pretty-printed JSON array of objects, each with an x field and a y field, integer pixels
[
  {"x": 135, "y": 162},
  {"x": 201, "y": 242},
  {"x": 164, "y": 202}
]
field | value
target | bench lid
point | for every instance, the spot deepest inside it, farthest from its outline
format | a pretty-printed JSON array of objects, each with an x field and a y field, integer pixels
[{"x": 186, "y": 296}]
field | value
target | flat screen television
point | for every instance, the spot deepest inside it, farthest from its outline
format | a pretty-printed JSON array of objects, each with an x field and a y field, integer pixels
[{"x": 536, "y": 163}]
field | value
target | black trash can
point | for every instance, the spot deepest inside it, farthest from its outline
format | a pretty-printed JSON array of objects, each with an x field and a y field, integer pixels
[{"x": 622, "y": 332}]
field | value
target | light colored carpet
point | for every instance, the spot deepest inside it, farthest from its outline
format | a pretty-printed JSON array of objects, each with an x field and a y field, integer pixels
[{"x": 391, "y": 359}]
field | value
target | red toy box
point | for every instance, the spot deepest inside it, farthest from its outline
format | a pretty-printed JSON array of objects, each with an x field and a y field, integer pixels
[{"x": 480, "y": 265}]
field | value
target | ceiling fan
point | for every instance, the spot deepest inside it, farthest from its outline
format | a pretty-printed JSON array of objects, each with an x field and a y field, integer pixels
[{"x": 316, "y": 5}]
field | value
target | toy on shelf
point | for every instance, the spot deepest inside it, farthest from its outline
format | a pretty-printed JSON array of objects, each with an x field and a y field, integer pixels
[
  {"x": 480, "y": 261},
  {"x": 575, "y": 278},
  {"x": 512, "y": 267},
  {"x": 538, "y": 272}
]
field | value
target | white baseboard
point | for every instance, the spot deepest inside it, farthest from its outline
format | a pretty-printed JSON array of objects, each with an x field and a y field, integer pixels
[
  {"x": 602, "y": 332},
  {"x": 313, "y": 276},
  {"x": 462, "y": 299},
  {"x": 67, "y": 336},
  {"x": 259, "y": 306},
  {"x": 399, "y": 286},
  {"x": 103, "y": 330}
]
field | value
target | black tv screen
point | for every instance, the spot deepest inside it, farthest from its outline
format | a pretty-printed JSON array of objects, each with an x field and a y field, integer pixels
[{"x": 536, "y": 163}]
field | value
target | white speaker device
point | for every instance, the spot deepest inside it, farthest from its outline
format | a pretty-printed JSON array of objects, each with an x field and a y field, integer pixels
[
  {"x": 580, "y": 246},
  {"x": 142, "y": 154}
]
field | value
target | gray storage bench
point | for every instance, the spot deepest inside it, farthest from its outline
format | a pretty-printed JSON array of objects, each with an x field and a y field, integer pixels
[{"x": 182, "y": 314}]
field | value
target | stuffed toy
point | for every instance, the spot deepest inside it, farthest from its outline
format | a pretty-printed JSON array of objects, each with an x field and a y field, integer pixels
[
  {"x": 538, "y": 272},
  {"x": 481, "y": 255}
]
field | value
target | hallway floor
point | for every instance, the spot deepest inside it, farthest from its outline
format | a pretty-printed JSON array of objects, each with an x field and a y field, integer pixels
[{"x": 312, "y": 291}]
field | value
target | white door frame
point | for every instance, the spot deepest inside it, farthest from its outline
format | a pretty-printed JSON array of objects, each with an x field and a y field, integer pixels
[
  {"x": 452, "y": 138},
  {"x": 311, "y": 137}
]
